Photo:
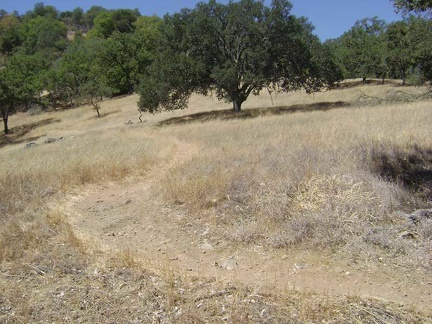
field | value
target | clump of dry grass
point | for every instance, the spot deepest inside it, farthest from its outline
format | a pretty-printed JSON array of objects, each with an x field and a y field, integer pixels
[
  {"x": 410, "y": 166},
  {"x": 28, "y": 177},
  {"x": 59, "y": 281},
  {"x": 308, "y": 179}
]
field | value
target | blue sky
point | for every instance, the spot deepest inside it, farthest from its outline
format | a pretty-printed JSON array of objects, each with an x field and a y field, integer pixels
[{"x": 331, "y": 18}]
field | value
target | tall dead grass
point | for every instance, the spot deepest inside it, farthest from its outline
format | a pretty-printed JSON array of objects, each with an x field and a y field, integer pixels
[
  {"x": 30, "y": 176},
  {"x": 317, "y": 179},
  {"x": 307, "y": 179}
]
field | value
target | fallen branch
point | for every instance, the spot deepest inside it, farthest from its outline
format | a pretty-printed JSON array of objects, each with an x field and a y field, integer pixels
[{"x": 140, "y": 115}]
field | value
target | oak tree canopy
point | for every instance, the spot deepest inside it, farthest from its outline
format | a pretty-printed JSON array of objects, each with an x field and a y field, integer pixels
[{"x": 232, "y": 51}]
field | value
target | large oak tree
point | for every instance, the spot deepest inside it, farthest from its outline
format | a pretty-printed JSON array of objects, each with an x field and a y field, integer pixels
[
  {"x": 361, "y": 50},
  {"x": 232, "y": 51},
  {"x": 20, "y": 84},
  {"x": 419, "y": 6}
]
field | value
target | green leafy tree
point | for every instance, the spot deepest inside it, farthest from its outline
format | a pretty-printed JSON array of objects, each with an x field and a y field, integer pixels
[
  {"x": 419, "y": 6},
  {"x": 71, "y": 74},
  {"x": 23, "y": 77},
  {"x": 6, "y": 102},
  {"x": 9, "y": 34},
  {"x": 91, "y": 14},
  {"x": 94, "y": 91},
  {"x": 124, "y": 58},
  {"x": 78, "y": 19},
  {"x": 148, "y": 32},
  {"x": 399, "y": 51},
  {"x": 325, "y": 63},
  {"x": 361, "y": 50},
  {"x": 419, "y": 33},
  {"x": 74, "y": 20},
  {"x": 3, "y": 13},
  {"x": 67, "y": 73},
  {"x": 66, "y": 18},
  {"x": 40, "y": 10},
  {"x": 420, "y": 40},
  {"x": 231, "y": 50},
  {"x": 124, "y": 20},
  {"x": 148, "y": 26},
  {"x": 104, "y": 25},
  {"x": 43, "y": 34},
  {"x": 20, "y": 84},
  {"x": 108, "y": 22}
]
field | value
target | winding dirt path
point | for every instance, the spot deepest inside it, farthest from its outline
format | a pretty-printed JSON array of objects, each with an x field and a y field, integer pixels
[{"x": 130, "y": 216}]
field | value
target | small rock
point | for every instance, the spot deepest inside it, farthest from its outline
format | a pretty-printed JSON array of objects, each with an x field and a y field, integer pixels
[
  {"x": 52, "y": 140},
  {"x": 407, "y": 235},
  {"x": 206, "y": 246},
  {"x": 48, "y": 192},
  {"x": 418, "y": 215},
  {"x": 31, "y": 144},
  {"x": 228, "y": 264},
  {"x": 300, "y": 266},
  {"x": 60, "y": 294}
]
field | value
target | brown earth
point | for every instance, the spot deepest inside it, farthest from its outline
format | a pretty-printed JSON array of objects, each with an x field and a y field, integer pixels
[{"x": 131, "y": 216}]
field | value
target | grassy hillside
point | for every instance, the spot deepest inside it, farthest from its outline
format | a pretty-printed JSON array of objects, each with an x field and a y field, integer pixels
[{"x": 339, "y": 178}]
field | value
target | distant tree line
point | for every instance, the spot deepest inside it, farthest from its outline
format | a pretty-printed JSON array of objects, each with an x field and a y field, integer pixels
[
  {"x": 399, "y": 50},
  {"x": 375, "y": 49},
  {"x": 50, "y": 58}
]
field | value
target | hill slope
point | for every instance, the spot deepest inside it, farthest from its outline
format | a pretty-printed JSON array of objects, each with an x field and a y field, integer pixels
[{"x": 292, "y": 217}]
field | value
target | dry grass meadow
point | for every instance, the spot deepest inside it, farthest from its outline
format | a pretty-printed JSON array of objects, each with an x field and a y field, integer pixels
[{"x": 338, "y": 178}]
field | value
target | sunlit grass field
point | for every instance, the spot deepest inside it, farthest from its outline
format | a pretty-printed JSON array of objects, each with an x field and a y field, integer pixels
[{"x": 331, "y": 181}]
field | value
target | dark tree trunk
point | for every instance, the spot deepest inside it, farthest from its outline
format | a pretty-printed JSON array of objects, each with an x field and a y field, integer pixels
[
  {"x": 6, "y": 129},
  {"x": 237, "y": 105},
  {"x": 5, "y": 117},
  {"x": 240, "y": 95},
  {"x": 95, "y": 105}
]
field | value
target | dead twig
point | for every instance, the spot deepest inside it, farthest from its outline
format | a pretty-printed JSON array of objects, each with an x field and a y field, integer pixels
[
  {"x": 140, "y": 115},
  {"x": 37, "y": 270},
  {"x": 214, "y": 295}
]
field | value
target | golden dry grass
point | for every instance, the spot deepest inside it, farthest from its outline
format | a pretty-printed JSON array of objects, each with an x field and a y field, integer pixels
[{"x": 305, "y": 180}]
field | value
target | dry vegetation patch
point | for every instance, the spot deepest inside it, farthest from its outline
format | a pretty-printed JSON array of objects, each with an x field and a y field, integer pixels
[
  {"x": 310, "y": 180},
  {"x": 17, "y": 133},
  {"x": 28, "y": 177},
  {"x": 342, "y": 180},
  {"x": 64, "y": 280}
]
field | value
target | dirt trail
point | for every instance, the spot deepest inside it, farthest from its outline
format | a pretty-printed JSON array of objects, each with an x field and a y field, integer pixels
[{"x": 128, "y": 216}]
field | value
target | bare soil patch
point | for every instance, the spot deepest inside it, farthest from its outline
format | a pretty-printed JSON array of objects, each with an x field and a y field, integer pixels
[{"x": 131, "y": 216}]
